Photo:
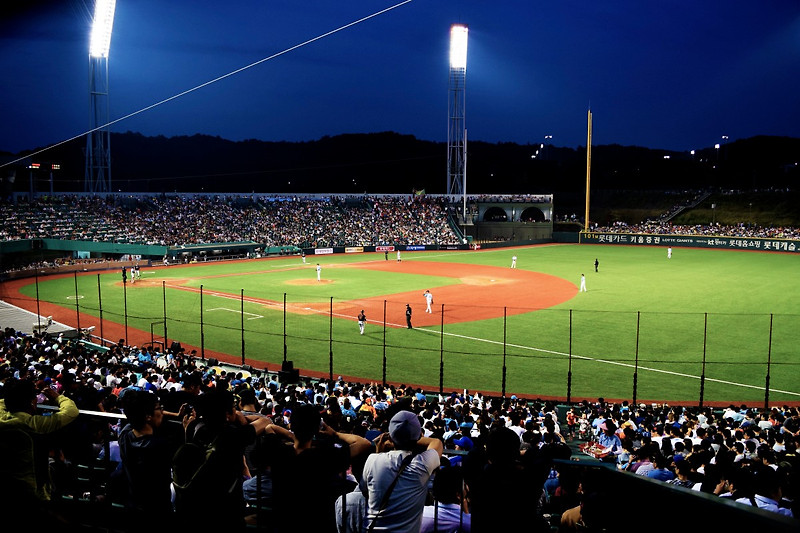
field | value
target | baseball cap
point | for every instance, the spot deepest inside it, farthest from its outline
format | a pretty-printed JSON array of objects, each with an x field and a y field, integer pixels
[
  {"x": 464, "y": 442},
  {"x": 404, "y": 428}
]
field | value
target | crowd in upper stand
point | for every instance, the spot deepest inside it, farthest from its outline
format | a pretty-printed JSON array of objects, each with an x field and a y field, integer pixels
[
  {"x": 273, "y": 221},
  {"x": 717, "y": 230},
  {"x": 322, "y": 454},
  {"x": 176, "y": 220}
]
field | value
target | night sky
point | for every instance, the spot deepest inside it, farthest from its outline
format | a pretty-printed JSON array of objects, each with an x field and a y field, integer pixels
[{"x": 676, "y": 75}]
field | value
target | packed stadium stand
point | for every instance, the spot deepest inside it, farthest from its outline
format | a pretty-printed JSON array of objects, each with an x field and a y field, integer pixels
[
  {"x": 94, "y": 437},
  {"x": 736, "y": 466}
]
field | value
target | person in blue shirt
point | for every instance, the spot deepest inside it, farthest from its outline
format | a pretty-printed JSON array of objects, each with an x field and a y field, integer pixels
[
  {"x": 661, "y": 471},
  {"x": 609, "y": 440},
  {"x": 347, "y": 409}
]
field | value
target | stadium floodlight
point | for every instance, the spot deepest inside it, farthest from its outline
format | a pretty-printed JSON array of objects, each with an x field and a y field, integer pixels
[
  {"x": 456, "y": 129},
  {"x": 458, "y": 46},
  {"x": 100, "y": 40},
  {"x": 98, "y": 140}
]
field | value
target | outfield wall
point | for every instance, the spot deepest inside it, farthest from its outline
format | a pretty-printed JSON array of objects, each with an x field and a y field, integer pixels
[
  {"x": 386, "y": 248},
  {"x": 693, "y": 241}
]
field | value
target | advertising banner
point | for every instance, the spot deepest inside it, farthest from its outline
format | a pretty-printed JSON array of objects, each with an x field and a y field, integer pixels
[{"x": 694, "y": 241}]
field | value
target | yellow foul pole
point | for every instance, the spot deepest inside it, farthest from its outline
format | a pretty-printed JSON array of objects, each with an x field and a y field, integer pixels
[{"x": 588, "y": 169}]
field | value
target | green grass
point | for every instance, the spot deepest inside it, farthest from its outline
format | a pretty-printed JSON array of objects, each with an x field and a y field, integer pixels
[{"x": 738, "y": 310}]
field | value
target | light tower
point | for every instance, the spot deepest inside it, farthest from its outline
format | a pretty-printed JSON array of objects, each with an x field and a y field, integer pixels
[
  {"x": 98, "y": 140},
  {"x": 456, "y": 130}
]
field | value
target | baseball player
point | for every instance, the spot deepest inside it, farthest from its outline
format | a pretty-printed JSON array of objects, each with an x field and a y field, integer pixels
[
  {"x": 428, "y": 300},
  {"x": 583, "y": 284},
  {"x": 319, "y": 272},
  {"x": 514, "y": 261},
  {"x": 362, "y": 320}
]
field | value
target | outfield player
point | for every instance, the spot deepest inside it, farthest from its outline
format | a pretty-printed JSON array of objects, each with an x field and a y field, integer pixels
[
  {"x": 669, "y": 252},
  {"x": 514, "y": 261},
  {"x": 362, "y": 320},
  {"x": 319, "y": 272},
  {"x": 303, "y": 254},
  {"x": 428, "y": 300}
]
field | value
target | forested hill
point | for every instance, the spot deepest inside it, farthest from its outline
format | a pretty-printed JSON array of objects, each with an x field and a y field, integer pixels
[{"x": 393, "y": 163}]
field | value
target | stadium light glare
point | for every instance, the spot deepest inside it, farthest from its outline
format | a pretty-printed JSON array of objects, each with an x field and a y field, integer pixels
[
  {"x": 100, "y": 39},
  {"x": 458, "y": 46}
]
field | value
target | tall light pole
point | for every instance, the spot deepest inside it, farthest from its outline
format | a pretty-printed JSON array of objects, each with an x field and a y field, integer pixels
[
  {"x": 97, "y": 177},
  {"x": 456, "y": 127},
  {"x": 588, "y": 167}
]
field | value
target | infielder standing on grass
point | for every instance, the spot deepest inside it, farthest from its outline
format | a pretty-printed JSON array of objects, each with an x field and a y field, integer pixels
[
  {"x": 428, "y": 300},
  {"x": 583, "y": 284},
  {"x": 362, "y": 320}
]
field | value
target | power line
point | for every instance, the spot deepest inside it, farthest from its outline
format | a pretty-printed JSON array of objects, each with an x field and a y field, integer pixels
[{"x": 215, "y": 80}]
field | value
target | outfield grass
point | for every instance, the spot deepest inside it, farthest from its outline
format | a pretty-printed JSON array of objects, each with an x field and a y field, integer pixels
[{"x": 737, "y": 310}]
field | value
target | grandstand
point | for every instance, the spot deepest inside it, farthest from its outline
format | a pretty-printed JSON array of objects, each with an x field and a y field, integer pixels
[{"x": 86, "y": 493}]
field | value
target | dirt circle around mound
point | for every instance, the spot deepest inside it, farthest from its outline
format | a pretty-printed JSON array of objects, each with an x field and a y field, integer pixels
[{"x": 481, "y": 293}]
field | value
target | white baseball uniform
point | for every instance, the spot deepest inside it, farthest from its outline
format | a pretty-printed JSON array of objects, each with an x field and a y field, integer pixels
[{"x": 428, "y": 300}]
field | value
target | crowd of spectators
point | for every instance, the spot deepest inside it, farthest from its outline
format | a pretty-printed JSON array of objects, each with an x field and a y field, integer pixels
[
  {"x": 662, "y": 225},
  {"x": 747, "y": 455},
  {"x": 194, "y": 219},
  {"x": 516, "y": 198},
  {"x": 474, "y": 458},
  {"x": 714, "y": 230}
]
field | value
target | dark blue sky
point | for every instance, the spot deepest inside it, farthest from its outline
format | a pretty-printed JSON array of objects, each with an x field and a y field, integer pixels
[{"x": 670, "y": 74}]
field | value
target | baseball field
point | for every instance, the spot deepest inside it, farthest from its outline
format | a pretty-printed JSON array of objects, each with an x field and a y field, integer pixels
[{"x": 647, "y": 327}]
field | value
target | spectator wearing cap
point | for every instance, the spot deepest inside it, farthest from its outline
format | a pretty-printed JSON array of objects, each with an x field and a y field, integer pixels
[
  {"x": 395, "y": 480},
  {"x": 464, "y": 444},
  {"x": 608, "y": 439}
]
